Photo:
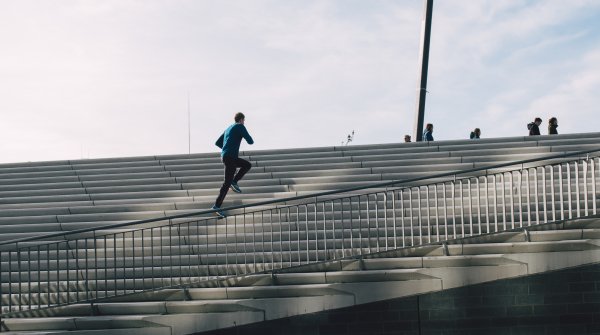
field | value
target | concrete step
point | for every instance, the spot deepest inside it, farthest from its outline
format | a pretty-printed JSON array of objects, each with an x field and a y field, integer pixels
[
  {"x": 500, "y": 270},
  {"x": 436, "y": 146},
  {"x": 100, "y": 189},
  {"x": 325, "y": 183},
  {"x": 449, "y": 278},
  {"x": 118, "y": 323},
  {"x": 438, "y": 191}
]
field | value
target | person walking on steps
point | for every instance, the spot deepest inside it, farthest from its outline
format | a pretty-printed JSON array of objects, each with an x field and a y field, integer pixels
[
  {"x": 552, "y": 125},
  {"x": 229, "y": 142},
  {"x": 534, "y": 127}
]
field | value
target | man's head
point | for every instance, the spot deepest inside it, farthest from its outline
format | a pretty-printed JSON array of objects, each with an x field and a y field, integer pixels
[
  {"x": 239, "y": 118},
  {"x": 407, "y": 138},
  {"x": 429, "y": 127},
  {"x": 538, "y": 121}
]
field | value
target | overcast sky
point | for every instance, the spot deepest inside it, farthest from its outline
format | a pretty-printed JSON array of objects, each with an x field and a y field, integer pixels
[{"x": 110, "y": 78}]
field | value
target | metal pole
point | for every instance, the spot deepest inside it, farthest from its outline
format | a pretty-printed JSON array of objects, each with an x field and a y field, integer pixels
[{"x": 424, "y": 59}]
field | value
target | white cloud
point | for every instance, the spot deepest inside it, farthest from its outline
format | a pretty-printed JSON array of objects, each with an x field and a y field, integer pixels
[
  {"x": 491, "y": 62},
  {"x": 111, "y": 78},
  {"x": 574, "y": 98}
]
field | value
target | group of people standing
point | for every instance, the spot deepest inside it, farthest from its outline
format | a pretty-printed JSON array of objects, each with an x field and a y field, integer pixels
[
  {"x": 534, "y": 127},
  {"x": 427, "y": 134}
]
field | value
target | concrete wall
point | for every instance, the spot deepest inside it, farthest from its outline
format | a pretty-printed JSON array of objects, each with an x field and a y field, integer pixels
[{"x": 562, "y": 302}]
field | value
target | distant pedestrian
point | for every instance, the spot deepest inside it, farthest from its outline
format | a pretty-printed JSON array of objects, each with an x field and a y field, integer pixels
[
  {"x": 407, "y": 138},
  {"x": 552, "y": 125},
  {"x": 230, "y": 142},
  {"x": 534, "y": 127},
  {"x": 427, "y": 134},
  {"x": 475, "y": 134}
]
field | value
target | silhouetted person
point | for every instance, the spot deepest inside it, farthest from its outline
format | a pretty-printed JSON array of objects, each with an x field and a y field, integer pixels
[
  {"x": 407, "y": 138},
  {"x": 229, "y": 143},
  {"x": 427, "y": 134},
  {"x": 552, "y": 125},
  {"x": 534, "y": 127},
  {"x": 475, "y": 134}
]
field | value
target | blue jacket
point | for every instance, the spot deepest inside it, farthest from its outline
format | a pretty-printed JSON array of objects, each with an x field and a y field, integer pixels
[
  {"x": 231, "y": 139},
  {"x": 427, "y": 136}
]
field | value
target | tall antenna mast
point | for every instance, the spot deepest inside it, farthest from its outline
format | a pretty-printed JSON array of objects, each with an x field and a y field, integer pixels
[{"x": 189, "y": 126}]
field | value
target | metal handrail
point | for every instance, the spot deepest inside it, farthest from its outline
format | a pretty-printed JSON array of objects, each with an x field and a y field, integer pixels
[
  {"x": 306, "y": 233},
  {"x": 301, "y": 197}
]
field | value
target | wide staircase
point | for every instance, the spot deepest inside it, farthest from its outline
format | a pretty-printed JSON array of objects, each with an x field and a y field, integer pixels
[{"x": 130, "y": 244}]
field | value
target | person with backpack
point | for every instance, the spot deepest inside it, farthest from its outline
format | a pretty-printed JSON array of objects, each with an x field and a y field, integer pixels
[
  {"x": 475, "y": 134},
  {"x": 534, "y": 127}
]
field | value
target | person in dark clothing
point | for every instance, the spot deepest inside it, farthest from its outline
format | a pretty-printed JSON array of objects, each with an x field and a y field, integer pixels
[
  {"x": 534, "y": 127},
  {"x": 552, "y": 125},
  {"x": 475, "y": 134},
  {"x": 229, "y": 142},
  {"x": 427, "y": 134}
]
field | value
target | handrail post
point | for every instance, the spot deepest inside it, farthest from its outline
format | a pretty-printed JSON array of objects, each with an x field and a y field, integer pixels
[{"x": 594, "y": 196}]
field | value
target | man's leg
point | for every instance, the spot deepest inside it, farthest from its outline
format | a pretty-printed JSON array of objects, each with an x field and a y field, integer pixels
[
  {"x": 229, "y": 174},
  {"x": 244, "y": 166}
]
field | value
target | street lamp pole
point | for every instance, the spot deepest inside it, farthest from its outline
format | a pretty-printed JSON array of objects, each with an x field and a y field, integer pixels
[{"x": 424, "y": 60}]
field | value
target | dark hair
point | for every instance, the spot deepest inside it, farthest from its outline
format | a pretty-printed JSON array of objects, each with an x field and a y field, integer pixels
[
  {"x": 429, "y": 125},
  {"x": 239, "y": 116},
  {"x": 475, "y": 133},
  {"x": 552, "y": 120},
  {"x": 537, "y": 119}
]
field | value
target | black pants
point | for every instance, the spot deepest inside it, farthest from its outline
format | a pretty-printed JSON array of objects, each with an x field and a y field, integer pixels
[{"x": 231, "y": 165}]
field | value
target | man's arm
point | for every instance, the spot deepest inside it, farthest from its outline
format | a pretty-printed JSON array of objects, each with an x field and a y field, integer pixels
[
  {"x": 247, "y": 136},
  {"x": 219, "y": 142}
]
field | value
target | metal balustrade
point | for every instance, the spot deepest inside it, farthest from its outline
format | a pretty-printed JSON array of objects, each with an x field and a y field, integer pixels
[{"x": 89, "y": 265}]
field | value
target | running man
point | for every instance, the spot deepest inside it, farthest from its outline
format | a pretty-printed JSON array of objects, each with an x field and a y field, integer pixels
[{"x": 229, "y": 143}]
